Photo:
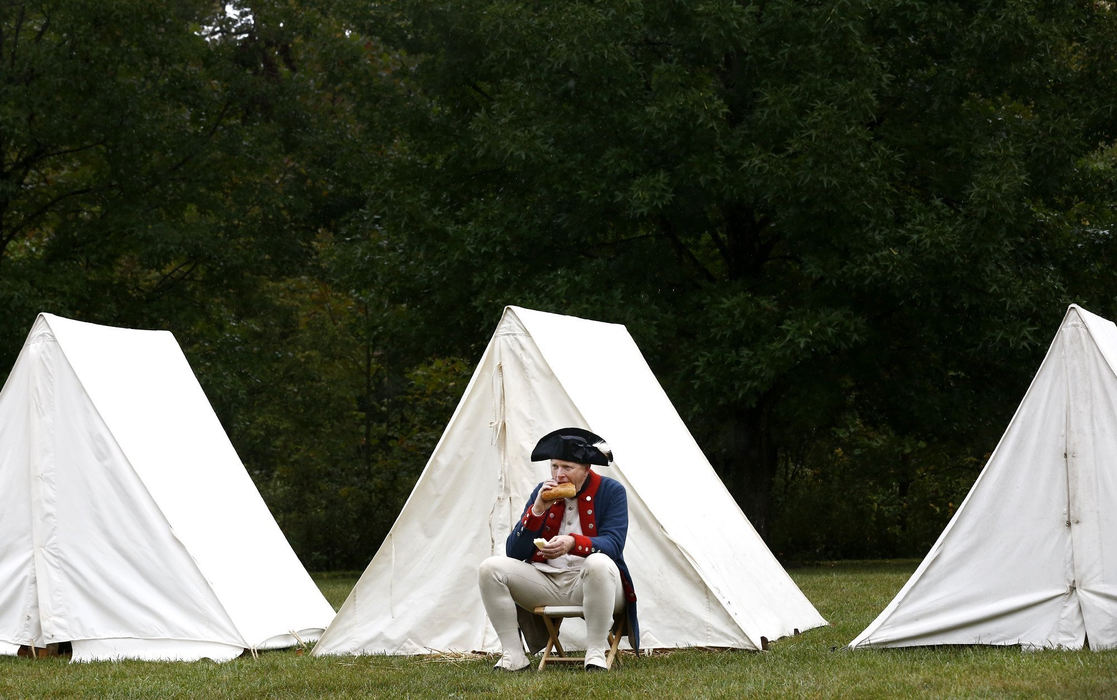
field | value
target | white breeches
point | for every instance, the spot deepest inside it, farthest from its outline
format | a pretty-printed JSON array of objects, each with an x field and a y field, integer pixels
[{"x": 506, "y": 583}]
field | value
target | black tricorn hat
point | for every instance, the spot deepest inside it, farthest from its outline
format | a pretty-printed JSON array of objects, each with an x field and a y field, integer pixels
[{"x": 573, "y": 445}]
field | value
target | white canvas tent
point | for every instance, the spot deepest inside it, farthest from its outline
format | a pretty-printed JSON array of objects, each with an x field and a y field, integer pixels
[
  {"x": 703, "y": 576},
  {"x": 130, "y": 528},
  {"x": 1030, "y": 557}
]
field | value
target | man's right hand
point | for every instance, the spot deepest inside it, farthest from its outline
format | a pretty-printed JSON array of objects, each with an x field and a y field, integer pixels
[{"x": 540, "y": 506}]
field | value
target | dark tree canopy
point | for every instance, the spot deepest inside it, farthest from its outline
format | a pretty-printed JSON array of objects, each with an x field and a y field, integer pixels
[
  {"x": 834, "y": 228},
  {"x": 842, "y": 233}
]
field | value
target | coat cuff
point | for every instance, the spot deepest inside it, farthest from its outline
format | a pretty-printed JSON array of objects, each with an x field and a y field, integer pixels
[
  {"x": 532, "y": 522},
  {"x": 583, "y": 546}
]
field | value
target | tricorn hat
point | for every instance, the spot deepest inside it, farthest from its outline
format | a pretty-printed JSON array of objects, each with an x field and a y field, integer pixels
[{"x": 573, "y": 445}]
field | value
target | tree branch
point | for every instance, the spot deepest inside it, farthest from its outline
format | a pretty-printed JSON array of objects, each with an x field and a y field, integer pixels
[
  {"x": 170, "y": 279},
  {"x": 684, "y": 252}
]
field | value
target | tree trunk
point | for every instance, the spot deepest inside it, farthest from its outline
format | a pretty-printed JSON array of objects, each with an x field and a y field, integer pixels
[{"x": 746, "y": 460}]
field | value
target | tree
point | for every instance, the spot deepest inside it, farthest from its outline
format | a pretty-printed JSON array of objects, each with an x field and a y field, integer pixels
[
  {"x": 839, "y": 231},
  {"x": 819, "y": 220},
  {"x": 174, "y": 165}
]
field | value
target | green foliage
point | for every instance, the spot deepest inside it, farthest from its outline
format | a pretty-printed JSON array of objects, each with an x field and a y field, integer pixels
[
  {"x": 164, "y": 165},
  {"x": 814, "y": 218},
  {"x": 331, "y": 436},
  {"x": 841, "y": 232},
  {"x": 872, "y": 492}
]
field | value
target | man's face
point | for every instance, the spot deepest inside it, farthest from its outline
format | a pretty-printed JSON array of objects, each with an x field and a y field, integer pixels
[{"x": 575, "y": 473}]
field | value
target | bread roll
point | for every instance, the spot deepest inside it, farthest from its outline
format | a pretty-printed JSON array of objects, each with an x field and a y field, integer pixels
[{"x": 564, "y": 490}]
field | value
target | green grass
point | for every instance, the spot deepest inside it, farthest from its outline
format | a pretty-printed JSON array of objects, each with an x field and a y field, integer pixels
[{"x": 813, "y": 664}]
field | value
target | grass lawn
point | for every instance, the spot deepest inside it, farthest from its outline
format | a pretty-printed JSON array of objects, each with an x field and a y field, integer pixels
[{"x": 814, "y": 664}]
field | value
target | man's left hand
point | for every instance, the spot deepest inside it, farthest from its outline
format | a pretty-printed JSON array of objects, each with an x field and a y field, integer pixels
[{"x": 557, "y": 546}]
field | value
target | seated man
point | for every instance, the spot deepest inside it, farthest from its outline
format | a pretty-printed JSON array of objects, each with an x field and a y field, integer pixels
[{"x": 581, "y": 562}]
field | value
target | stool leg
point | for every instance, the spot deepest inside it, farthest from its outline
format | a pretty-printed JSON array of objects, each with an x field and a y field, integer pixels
[
  {"x": 553, "y": 625},
  {"x": 615, "y": 634}
]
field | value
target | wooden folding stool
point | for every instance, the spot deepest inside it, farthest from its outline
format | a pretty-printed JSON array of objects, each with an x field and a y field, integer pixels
[{"x": 553, "y": 615}]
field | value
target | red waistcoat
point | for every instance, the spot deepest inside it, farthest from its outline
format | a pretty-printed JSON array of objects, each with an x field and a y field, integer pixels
[{"x": 552, "y": 519}]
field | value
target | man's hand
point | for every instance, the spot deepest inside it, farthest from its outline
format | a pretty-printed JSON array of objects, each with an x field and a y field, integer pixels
[
  {"x": 557, "y": 546},
  {"x": 540, "y": 506}
]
